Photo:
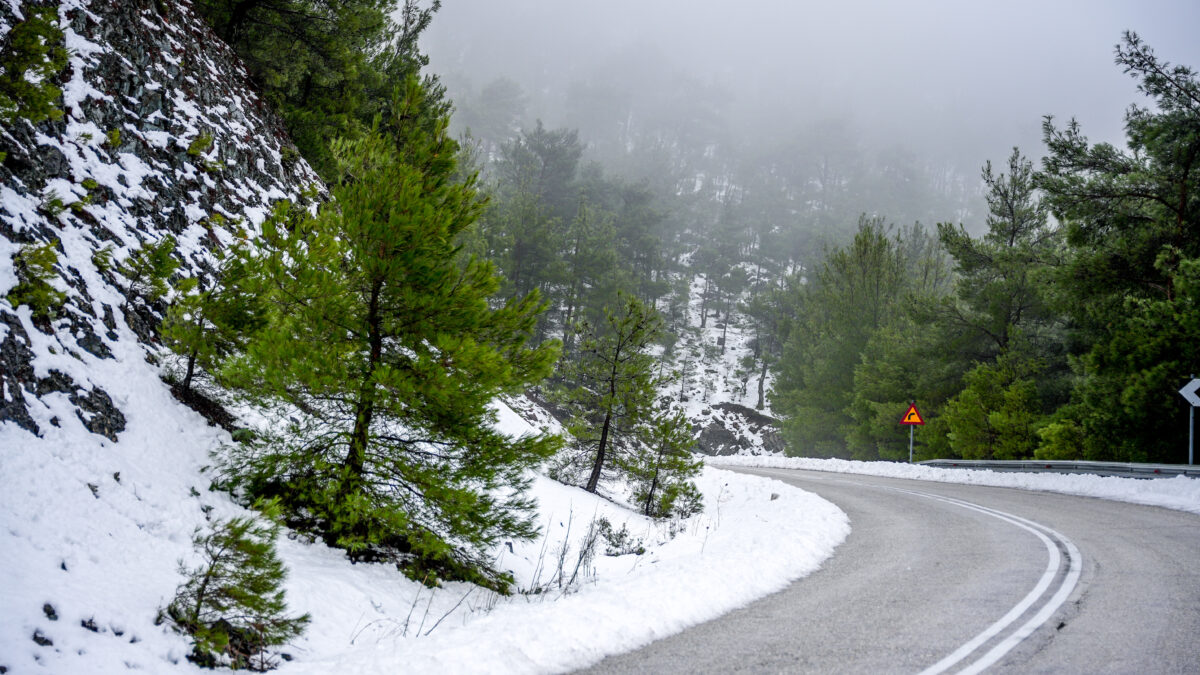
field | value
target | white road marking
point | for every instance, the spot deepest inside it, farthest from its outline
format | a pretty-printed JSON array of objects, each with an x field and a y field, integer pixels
[
  {"x": 1047, "y": 610},
  {"x": 1016, "y": 637}
]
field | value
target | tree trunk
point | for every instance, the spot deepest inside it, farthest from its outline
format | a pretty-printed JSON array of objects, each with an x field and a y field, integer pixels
[
  {"x": 725, "y": 327},
  {"x": 594, "y": 479},
  {"x": 240, "y": 11},
  {"x": 650, "y": 494},
  {"x": 762, "y": 377},
  {"x": 364, "y": 409},
  {"x": 191, "y": 368},
  {"x": 653, "y": 483}
]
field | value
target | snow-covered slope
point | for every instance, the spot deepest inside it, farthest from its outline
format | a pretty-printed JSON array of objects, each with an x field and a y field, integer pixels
[
  {"x": 716, "y": 387},
  {"x": 101, "y": 469}
]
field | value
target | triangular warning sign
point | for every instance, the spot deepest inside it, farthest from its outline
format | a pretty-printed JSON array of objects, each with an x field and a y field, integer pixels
[{"x": 912, "y": 416}]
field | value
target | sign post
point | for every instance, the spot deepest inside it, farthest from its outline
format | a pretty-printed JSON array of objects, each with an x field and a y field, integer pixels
[
  {"x": 1189, "y": 393},
  {"x": 913, "y": 418}
]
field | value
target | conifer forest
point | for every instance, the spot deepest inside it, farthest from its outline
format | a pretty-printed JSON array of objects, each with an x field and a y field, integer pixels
[{"x": 448, "y": 226}]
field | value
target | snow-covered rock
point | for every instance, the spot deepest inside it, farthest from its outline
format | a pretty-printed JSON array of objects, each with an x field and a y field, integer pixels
[{"x": 162, "y": 135}]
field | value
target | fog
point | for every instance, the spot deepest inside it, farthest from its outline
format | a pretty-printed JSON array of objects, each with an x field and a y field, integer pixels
[{"x": 955, "y": 81}]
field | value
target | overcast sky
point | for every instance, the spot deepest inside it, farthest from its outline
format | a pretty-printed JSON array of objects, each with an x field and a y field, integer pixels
[{"x": 967, "y": 78}]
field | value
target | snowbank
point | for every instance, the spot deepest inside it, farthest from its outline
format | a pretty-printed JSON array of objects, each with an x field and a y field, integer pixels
[
  {"x": 1180, "y": 492},
  {"x": 753, "y": 538},
  {"x": 93, "y": 531}
]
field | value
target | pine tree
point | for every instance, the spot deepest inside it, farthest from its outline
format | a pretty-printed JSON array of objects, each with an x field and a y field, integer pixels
[
  {"x": 386, "y": 353},
  {"x": 854, "y": 294},
  {"x": 233, "y": 604},
  {"x": 1132, "y": 222},
  {"x": 207, "y": 326},
  {"x": 1003, "y": 312},
  {"x": 613, "y": 386},
  {"x": 32, "y": 55},
  {"x": 328, "y": 67},
  {"x": 34, "y": 268},
  {"x": 148, "y": 270},
  {"x": 661, "y": 465}
]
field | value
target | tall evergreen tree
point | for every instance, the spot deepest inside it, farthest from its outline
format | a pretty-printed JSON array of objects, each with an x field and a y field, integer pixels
[
  {"x": 853, "y": 295},
  {"x": 1004, "y": 310},
  {"x": 328, "y": 67},
  {"x": 1132, "y": 221},
  {"x": 612, "y": 386},
  {"x": 998, "y": 286},
  {"x": 386, "y": 354}
]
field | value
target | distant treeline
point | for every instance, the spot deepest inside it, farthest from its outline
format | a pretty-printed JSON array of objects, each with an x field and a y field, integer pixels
[{"x": 1064, "y": 332}]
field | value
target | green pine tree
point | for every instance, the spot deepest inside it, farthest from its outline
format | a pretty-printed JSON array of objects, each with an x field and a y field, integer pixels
[
  {"x": 149, "y": 270},
  {"x": 613, "y": 388},
  {"x": 207, "y": 326},
  {"x": 34, "y": 267},
  {"x": 661, "y": 465},
  {"x": 1132, "y": 223},
  {"x": 32, "y": 54},
  {"x": 233, "y": 603},
  {"x": 998, "y": 413},
  {"x": 328, "y": 67},
  {"x": 387, "y": 354}
]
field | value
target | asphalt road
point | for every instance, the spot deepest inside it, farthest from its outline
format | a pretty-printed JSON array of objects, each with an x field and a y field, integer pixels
[{"x": 937, "y": 577}]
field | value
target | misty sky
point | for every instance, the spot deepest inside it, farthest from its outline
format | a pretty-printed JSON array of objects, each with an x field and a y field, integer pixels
[{"x": 958, "y": 78}]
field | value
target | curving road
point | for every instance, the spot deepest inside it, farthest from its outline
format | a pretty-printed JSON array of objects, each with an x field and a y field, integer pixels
[{"x": 938, "y": 577}]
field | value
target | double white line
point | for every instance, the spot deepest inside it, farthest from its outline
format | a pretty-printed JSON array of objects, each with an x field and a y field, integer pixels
[{"x": 1065, "y": 586}]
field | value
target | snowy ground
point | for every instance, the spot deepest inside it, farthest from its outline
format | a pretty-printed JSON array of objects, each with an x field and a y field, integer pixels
[
  {"x": 710, "y": 374},
  {"x": 1180, "y": 492},
  {"x": 94, "y": 531}
]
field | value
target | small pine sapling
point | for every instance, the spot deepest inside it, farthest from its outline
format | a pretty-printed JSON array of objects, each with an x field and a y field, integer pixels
[
  {"x": 200, "y": 145},
  {"x": 149, "y": 268},
  {"x": 233, "y": 604},
  {"x": 662, "y": 466},
  {"x": 206, "y": 326},
  {"x": 103, "y": 259},
  {"x": 34, "y": 54},
  {"x": 34, "y": 266}
]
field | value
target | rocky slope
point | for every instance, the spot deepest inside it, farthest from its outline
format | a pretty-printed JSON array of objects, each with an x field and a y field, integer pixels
[{"x": 162, "y": 135}]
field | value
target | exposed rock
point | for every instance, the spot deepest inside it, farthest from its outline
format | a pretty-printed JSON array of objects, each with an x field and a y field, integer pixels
[
  {"x": 732, "y": 429},
  {"x": 16, "y": 372},
  {"x": 42, "y": 640},
  {"x": 145, "y": 79},
  {"x": 102, "y": 417}
]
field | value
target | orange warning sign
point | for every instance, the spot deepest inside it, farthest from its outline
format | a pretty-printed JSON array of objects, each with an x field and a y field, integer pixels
[{"x": 912, "y": 416}]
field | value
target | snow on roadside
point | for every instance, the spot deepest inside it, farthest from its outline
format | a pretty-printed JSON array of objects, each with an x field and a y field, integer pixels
[
  {"x": 1180, "y": 492},
  {"x": 93, "y": 530},
  {"x": 753, "y": 538}
]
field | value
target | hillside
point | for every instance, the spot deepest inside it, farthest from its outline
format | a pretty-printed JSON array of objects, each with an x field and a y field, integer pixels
[{"x": 102, "y": 469}]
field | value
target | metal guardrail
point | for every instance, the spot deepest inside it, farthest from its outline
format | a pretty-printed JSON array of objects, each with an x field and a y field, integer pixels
[{"x": 1129, "y": 470}]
